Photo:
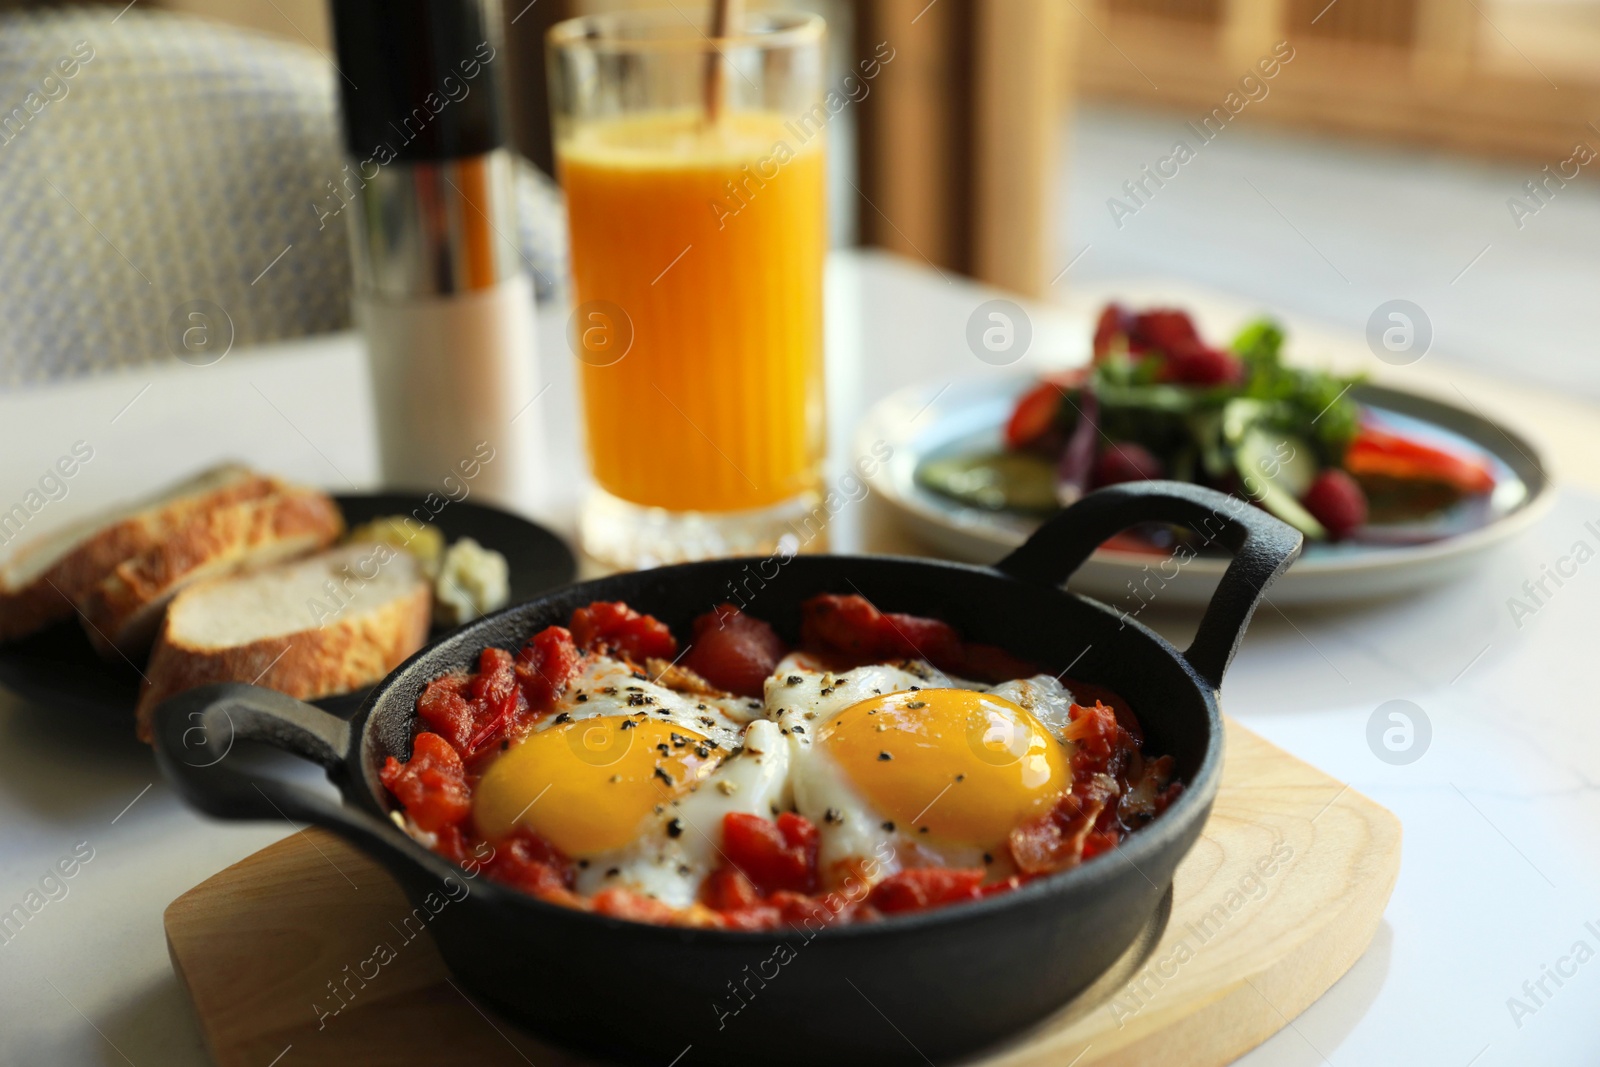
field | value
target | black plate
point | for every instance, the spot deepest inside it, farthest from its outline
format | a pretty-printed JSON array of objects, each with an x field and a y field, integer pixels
[
  {"x": 910, "y": 989},
  {"x": 56, "y": 667}
]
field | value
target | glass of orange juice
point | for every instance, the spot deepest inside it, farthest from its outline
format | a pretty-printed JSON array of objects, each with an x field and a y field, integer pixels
[{"x": 694, "y": 174}]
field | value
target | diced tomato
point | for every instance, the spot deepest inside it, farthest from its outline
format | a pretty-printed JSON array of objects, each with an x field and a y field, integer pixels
[
  {"x": 925, "y": 887},
  {"x": 1087, "y": 694},
  {"x": 1098, "y": 736},
  {"x": 496, "y": 695},
  {"x": 772, "y": 855},
  {"x": 432, "y": 784},
  {"x": 545, "y": 665},
  {"x": 1377, "y": 451},
  {"x": 1055, "y": 841},
  {"x": 528, "y": 862},
  {"x": 622, "y": 903},
  {"x": 613, "y": 628},
  {"x": 445, "y": 709},
  {"x": 727, "y": 889},
  {"x": 452, "y": 844},
  {"x": 851, "y": 628},
  {"x": 734, "y": 651},
  {"x": 811, "y": 912},
  {"x": 741, "y": 907},
  {"x": 495, "y": 679}
]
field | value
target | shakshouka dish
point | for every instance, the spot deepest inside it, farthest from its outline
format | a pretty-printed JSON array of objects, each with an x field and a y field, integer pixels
[{"x": 884, "y": 766}]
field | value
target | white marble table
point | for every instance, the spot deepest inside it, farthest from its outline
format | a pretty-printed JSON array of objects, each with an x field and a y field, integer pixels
[{"x": 1502, "y": 812}]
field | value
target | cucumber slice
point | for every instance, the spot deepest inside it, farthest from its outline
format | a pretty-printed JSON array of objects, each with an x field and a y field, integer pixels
[
  {"x": 1276, "y": 470},
  {"x": 1001, "y": 481}
]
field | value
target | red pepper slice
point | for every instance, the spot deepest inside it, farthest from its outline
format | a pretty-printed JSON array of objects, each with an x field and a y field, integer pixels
[
  {"x": 1034, "y": 414},
  {"x": 1036, "y": 411},
  {"x": 1380, "y": 452}
]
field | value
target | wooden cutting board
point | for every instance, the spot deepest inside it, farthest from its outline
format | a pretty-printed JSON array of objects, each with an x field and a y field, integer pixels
[{"x": 1279, "y": 898}]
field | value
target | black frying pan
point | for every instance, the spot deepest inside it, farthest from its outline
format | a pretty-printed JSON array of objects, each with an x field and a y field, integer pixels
[{"x": 924, "y": 986}]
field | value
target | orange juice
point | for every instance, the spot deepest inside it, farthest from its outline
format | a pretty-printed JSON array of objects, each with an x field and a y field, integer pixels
[{"x": 710, "y": 238}]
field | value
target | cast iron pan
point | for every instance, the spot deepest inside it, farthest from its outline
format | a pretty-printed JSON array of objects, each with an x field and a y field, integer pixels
[
  {"x": 57, "y": 669},
  {"x": 910, "y": 989}
]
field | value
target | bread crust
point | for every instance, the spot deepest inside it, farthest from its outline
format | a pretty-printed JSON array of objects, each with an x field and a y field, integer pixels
[
  {"x": 52, "y": 595},
  {"x": 343, "y": 655},
  {"x": 121, "y": 611}
]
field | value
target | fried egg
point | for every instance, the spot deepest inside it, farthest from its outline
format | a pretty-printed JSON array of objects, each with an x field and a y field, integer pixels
[
  {"x": 619, "y": 746},
  {"x": 903, "y": 765}
]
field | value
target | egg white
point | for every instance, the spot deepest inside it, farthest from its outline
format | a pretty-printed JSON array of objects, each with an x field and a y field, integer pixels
[{"x": 605, "y": 686}]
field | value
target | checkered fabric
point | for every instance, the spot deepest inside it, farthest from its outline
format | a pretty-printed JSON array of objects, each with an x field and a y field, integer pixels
[{"x": 150, "y": 160}]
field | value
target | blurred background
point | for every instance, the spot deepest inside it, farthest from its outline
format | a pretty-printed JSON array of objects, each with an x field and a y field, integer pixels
[{"x": 1433, "y": 150}]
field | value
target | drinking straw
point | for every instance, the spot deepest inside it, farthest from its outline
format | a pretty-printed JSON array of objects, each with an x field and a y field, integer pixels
[{"x": 725, "y": 20}]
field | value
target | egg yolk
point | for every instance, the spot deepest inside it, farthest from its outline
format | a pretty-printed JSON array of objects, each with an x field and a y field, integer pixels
[
  {"x": 967, "y": 766},
  {"x": 587, "y": 786}
]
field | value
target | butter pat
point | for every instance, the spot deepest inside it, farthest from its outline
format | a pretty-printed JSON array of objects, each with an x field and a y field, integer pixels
[{"x": 472, "y": 581}]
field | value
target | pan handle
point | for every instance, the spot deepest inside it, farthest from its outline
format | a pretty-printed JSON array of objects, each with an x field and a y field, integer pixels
[
  {"x": 1262, "y": 547},
  {"x": 196, "y": 731}
]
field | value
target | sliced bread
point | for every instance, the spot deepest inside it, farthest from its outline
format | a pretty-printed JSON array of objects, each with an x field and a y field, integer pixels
[
  {"x": 333, "y": 622},
  {"x": 44, "y": 578},
  {"x": 123, "y": 611}
]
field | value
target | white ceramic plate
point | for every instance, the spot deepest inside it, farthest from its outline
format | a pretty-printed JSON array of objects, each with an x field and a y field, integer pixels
[{"x": 924, "y": 421}]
